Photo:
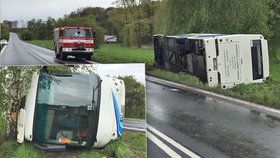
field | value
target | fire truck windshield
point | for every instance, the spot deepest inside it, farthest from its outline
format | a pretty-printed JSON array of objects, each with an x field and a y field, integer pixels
[{"x": 74, "y": 33}]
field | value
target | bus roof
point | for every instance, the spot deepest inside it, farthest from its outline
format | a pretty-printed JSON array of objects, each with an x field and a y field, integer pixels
[{"x": 74, "y": 27}]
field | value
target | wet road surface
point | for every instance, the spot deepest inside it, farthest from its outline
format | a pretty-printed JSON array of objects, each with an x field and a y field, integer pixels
[
  {"x": 18, "y": 52},
  {"x": 208, "y": 126}
]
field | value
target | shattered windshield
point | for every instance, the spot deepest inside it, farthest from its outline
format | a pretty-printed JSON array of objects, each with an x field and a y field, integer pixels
[{"x": 78, "y": 33}]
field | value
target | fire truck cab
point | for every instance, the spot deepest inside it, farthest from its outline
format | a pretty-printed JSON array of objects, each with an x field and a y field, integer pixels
[{"x": 74, "y": 41}]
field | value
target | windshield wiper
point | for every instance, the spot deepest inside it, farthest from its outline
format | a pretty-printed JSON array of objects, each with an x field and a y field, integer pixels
[
  {"x": 64, "y": 107},
  {"x": 93, "y": 93}
]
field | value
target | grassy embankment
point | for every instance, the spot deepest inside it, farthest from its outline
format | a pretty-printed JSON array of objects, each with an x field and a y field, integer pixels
[
  {"x": 129, "y": 146},
  {"x": 266, "y": 93},
  {"x": 43, "y": 43}
]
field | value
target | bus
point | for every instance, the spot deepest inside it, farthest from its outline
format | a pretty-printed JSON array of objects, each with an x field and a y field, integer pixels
[
  {"x": 72, "y": 109},
  {"x": 217, "y": 59}
]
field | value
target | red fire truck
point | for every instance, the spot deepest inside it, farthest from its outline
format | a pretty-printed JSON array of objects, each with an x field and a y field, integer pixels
[{"x": 74, "y": 41}]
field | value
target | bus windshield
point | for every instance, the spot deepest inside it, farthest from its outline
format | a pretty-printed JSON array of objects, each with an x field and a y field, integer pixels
[
  {"x": 67, "y": 89},
  {"x": 64, "y": 109},
  {"x": 74, "y": 33}
]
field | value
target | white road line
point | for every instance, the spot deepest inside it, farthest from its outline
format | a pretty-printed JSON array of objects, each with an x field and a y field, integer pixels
[
  {"x": 1, "y": 53},
  {"x": 173, "y": 142},
  {"x": 34, "y": 54},
  {"x": 134, "y": 129},
  {"x": 3, "y": 49},
  {"x": 163, "y": 146}
]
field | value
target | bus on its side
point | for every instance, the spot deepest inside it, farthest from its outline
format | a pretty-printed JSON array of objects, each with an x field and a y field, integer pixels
[
  {"x": 217, "y": 59},
  {"x": 71, "y": 109}
]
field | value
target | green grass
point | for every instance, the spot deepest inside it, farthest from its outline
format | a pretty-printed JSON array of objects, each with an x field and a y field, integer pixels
[
  {"x": 130, "y": 145},
  {"x": 11, "y": 149},
  {"x": 43, "y": 43},
  {"x": 116, "y": 53}
]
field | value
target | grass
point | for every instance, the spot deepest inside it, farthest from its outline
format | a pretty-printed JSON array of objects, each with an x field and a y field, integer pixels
[
  {"x": 11, "y": 149},
  {"x": 128, "y": 146},
  {"x": 116, "y": 53},
  {"x": 43, "y": 43}
]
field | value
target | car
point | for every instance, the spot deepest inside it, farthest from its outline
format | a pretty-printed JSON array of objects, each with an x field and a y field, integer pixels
[{"x": 3, "y": 42}]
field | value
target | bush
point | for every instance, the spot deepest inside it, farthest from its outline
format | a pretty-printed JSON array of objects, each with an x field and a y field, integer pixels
[
  {"x": 135, "y": 98},
  {"x": 26, "y": 35}
]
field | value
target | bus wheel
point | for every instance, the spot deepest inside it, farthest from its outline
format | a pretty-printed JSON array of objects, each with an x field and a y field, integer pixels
[{"x": 61, "y": 54}]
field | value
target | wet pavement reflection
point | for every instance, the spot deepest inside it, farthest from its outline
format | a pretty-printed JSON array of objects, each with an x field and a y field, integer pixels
[{"x": 212, "y": 127}]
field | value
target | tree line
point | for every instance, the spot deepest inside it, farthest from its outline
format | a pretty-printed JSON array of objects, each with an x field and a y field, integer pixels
[
  {"x": 134, "y": 22},
  {"x": 219, "y": 16},
  {"x": 130, "y": 21}
]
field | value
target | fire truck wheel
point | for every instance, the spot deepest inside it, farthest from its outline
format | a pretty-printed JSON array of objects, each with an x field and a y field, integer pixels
[
  {"x": 88, "y": 57},
  {"x": 63, "y": 56}
]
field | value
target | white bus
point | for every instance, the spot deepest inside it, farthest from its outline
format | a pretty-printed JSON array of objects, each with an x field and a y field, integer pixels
[
  {"x": 72, "y": 109},
  {"x": 218, "y": 60}
]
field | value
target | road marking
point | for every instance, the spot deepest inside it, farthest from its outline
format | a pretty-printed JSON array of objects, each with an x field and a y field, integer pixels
[
  {"x": 173, "y": 142},
  {"x": 34, "y": 54},
  {"x": 3, "y": 49},
  {"x": 134, "y": 129},
  {"x": 1, "y": 53},
  {"x": 163, "y": 146}
]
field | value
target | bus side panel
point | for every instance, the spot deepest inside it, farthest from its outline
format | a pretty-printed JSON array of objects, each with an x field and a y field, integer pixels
[
  {"x": 30, "y": 107},
  {"x": 265, "y": 59},
  {"x": 211, "y": 62},
  {"x": 106, "y": 131}
]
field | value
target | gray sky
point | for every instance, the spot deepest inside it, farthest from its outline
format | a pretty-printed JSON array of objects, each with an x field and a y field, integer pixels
[
  {"x": 115, "y": 70},
  {"x": 42, "y": 9}
]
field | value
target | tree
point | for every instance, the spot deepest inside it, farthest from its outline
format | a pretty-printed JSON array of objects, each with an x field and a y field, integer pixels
[
  {"x": 134, "y": 20},
  {"x": 26, "y": 35},
  {"x": 5, "y": 32},
  {"x": 135, "y": 98},
  {"x": 14, "y": 85}
]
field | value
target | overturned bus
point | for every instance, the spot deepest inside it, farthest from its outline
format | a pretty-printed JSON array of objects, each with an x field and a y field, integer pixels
[
  {"x": 72, "y": 109},
  {"x": 217, "y": 59}
]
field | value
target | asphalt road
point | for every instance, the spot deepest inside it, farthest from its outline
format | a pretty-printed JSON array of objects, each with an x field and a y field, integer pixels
[
  {"x": 18, "y": 52},
  {"x": 135, "y": 125},
  {"x": 189, "y": 124}
]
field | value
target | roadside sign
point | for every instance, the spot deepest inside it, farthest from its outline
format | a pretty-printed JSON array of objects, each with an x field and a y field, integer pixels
[{"x": 110, "y": 38}]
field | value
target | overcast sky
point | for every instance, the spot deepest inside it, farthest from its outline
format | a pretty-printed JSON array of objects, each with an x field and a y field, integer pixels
[
  {"x": 115, "y": 70},
  {"x": 42, "y": 9}
]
